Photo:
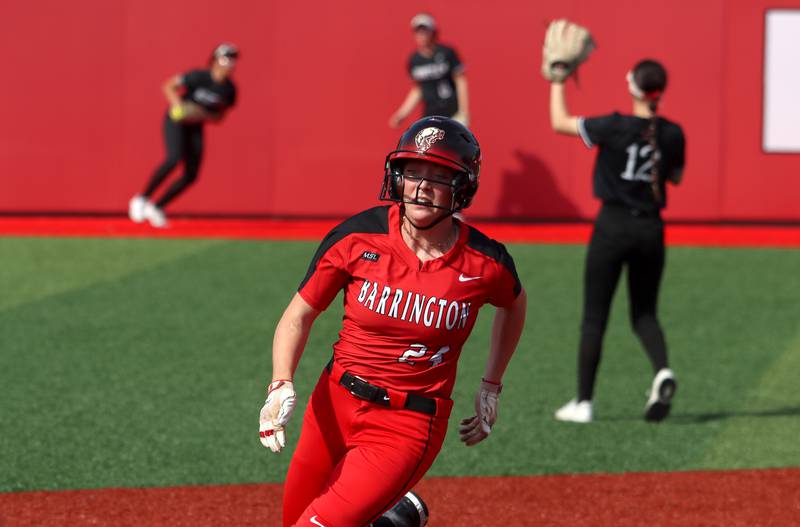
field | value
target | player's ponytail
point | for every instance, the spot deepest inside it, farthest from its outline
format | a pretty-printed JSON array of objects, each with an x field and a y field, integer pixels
[
  {"x": 650, "y": 135},
  {"x": 650, "y": 79}
]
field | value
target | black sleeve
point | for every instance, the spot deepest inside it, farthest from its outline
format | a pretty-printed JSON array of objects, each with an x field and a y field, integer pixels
[
  {"x": 597, "y": 130},
  {"x": 676, "y": 147},
  {"x": 372, "y": 221},
  {"x": 456, "y": 66},
  {"x": 508, "y": 285},
  {"x": 328, "y": 273},
  {"x": 673, "y": 150},
  {"x": 192, "y": 79}
]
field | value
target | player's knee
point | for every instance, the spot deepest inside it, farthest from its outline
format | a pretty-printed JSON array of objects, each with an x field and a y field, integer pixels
[
  {"x": 189, "y": 176},
  {"x": 643, "y": 322},
  {"x": 169, "y": 164},
  {"x": 410, "y": 511}
]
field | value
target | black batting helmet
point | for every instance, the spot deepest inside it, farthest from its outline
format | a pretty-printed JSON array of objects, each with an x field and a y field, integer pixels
[{"x": 437, "y": 140}]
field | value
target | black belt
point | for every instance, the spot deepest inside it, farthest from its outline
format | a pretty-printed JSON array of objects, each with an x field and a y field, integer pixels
[
  {"x": 633, "y": 211},
  {"x": 375, "y": 394}
]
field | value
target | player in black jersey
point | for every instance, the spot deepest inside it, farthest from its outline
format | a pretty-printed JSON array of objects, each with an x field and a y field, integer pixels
[
  {"x": 637, "y": 155},
  {"x": 438, "y": 75},
  {"x": 195, "y": 97}
]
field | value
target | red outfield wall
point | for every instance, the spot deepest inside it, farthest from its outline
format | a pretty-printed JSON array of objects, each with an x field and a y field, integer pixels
[{"x": 80, "y": 119}]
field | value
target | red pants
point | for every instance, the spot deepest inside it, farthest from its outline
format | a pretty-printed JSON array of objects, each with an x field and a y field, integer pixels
[{"x": 356, "y": 459}]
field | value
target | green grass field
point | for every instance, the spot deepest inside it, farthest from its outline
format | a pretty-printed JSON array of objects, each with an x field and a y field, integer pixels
[{"x": 136, "y": 362}]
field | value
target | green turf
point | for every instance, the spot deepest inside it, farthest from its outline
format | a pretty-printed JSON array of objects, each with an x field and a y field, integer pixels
[{"x": 143, "y": 362}]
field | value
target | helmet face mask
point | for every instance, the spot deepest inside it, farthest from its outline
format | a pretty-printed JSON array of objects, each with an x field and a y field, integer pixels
[
  {"x": 455, "y": 181},
  {"x": 440, "y": 141}
]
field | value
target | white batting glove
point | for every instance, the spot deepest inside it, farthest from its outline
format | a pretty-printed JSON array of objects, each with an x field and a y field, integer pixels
[
  {"x": 275, "y": 413},
  {"x": 475, "y": 429}
]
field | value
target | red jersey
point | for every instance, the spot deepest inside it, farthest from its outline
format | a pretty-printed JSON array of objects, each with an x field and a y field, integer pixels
[{"x": 405, "y": 321}]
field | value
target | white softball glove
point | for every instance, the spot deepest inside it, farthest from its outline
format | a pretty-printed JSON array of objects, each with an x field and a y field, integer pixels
[
  {"x": 275, "y": 413},
  {"x": 475, "y": 429}
]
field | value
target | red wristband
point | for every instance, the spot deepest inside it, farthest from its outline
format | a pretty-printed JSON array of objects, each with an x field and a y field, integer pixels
[
  {"x": 499, "y": 385},
  {"x": 270, "y": 388}
]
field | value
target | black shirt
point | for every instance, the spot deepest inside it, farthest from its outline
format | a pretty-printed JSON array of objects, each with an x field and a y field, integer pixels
[
  {"x": 623, "y": 168},
  {"x": 434, "y": 75},
  {"x": 212, "y": 96}
]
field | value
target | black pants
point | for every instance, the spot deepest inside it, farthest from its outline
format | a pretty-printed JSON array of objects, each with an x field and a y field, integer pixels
[
  {"x": 621, "y": 237},
  {"x": 183, "y": 143}
]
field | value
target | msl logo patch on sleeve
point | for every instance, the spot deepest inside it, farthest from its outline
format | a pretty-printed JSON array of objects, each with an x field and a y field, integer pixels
[{"x": 370, "y": 256}]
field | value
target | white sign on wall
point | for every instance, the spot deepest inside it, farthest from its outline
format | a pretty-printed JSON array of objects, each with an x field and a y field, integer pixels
[{"x": 781, "y": 126}]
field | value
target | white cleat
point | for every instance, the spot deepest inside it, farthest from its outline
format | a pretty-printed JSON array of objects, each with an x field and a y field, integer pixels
[
  {"x": 661, "y": 392},
  {"x": 575, "y": 412},
  {"x": 155, "y": 216},
  {"x": 136, "y": 208}
]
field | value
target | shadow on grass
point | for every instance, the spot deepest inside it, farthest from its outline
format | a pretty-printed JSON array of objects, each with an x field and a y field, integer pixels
[
  {"x": 707, "y": 417},
  {"x": 789, "y": 411}
]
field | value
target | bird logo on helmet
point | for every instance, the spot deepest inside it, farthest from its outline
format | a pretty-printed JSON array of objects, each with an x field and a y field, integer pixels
[
  {"x": 442, "y": 141},
  {"x": 425, "y": 138}
]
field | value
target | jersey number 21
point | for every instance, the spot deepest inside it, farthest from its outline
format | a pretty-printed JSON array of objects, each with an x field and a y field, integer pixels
[{"x": 418, "y": 351}]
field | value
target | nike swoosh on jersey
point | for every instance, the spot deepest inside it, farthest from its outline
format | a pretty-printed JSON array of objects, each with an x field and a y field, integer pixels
[
  {"x": 462, "y": 278},
  {"x": 315, "y": 521}
]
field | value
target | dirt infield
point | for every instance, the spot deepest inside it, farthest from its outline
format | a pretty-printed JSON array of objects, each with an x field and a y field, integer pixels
[{"x": 730, "y": 498}]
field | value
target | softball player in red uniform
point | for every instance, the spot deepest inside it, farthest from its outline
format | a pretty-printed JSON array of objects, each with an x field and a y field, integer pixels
[{"x": 413, "y": 279}]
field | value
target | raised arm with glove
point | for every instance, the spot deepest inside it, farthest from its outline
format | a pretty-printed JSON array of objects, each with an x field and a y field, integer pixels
[{"x": 566, "y": 46}]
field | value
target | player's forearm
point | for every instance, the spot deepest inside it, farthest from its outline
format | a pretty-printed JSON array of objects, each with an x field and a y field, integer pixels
[
  {"x": 506, "y": 331},
  {"x": 410, "y": 102},
  {"x": 171, "y": 91},
  {"x": 288, "y": 344},
  {"x": 291, "y": 335},
  {"x": 560, "y": 118},
  {"x": 463, "y": 94}
]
